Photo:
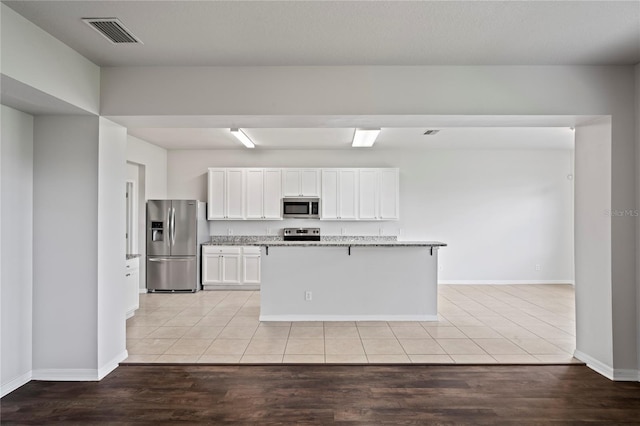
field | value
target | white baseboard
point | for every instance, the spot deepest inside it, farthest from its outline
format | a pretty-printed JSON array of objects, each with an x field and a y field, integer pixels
[
  {"x": 142, "y": 290},
  {"x": 14, "y": 384},
  {"x": 626, "y": 375},
  {"x": 595, "y": 365},
  {"x": 503, "y": 282},
  {"x": 66, "y": 374},
  {"x": 348, "y": 317},
  {"x": 79, "y": 374},
  {"x": 112, "y": 365},
  {"x": 240, "y": 287}
]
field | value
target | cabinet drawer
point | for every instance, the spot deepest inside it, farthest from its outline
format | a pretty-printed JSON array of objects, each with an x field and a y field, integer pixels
[
  {"x": 132, "y": 264},
  {"x": 221, "y": 250},
  {"x": 251, "y": 250}
]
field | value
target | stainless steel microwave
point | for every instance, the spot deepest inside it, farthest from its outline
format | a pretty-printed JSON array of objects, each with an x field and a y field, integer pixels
[{"x": 301, "y": 208}]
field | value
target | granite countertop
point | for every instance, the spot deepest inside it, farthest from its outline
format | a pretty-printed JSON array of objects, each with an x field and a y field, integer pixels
[
  {"x": 329, "y": 241},
  {"x": 133, "y": 256}
]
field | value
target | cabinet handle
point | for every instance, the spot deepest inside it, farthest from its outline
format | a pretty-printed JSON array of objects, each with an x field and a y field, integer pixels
[{"x": 128, "y": 275}]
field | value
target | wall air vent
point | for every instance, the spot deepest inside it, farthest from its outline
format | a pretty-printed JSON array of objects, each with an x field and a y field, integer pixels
[
  {"x": 430, "y": 132},
  {"x": 112, "y": 29}
]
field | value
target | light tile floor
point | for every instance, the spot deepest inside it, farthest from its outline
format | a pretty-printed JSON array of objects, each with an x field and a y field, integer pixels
[{"x": 478, "y": 324}]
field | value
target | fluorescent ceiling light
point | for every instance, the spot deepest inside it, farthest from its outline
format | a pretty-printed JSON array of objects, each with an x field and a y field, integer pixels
[
  {"x": 242, "y": 137},
  {"x": 364, "y": 138}
]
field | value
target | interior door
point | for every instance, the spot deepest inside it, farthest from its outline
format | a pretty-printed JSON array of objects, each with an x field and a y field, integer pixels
[
  {"x": 184, "y": 228},
  {"x": 158, "y": 228}
]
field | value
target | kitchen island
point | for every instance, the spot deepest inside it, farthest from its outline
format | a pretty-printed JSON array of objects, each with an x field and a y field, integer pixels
[{"x": 342, "y": 279}]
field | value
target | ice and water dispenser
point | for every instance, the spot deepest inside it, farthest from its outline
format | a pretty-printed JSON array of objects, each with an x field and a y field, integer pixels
[{"x": 157, "y": 231}]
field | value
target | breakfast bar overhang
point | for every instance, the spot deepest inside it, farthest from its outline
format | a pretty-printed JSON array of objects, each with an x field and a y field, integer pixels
[{"x": 349, "y": 281}]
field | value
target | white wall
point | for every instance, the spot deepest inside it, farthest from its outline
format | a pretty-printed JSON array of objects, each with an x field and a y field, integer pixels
[
  {"x": 593, "y": 225},
  {"x": 65, "y": 228},
  {"x": 33, "y": 57},
  {"x": 154, "y": 159},
  {"x": 16, "y": 154},
  {"x": 637, "y": 72},
  {"x": 111, "y": 306},
  {"x": 501, "y": 212}
]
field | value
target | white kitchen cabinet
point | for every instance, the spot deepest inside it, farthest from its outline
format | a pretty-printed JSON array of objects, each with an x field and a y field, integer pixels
[
  {"x": 251, "y": 265},
  {"x": 339, "y": 194},
  {"x": 255, "y": 194},
  {"x": 132, "y": 284},
  {"x": 226, "y": 194},
  {"x": 221, "y": 265},
  {"x": 301, "y": 182},
  {"x": 368, "y": 194},
  {"x": 378, "y": 194},
  {"x": 263, "y": 194},
  {"x": 389, "y": 194}
]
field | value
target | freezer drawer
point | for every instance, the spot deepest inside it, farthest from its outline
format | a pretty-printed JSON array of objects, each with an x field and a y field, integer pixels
[{"x": 174, "y": 273}]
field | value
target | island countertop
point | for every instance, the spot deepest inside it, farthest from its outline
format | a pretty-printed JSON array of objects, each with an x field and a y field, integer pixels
[{"x": 324, "y": 242}]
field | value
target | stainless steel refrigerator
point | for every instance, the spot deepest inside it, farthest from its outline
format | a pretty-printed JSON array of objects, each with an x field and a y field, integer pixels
[{"x": 175, "y": 231}]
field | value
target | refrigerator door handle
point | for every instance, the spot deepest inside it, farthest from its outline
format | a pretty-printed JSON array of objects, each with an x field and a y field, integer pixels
[
  {"x": 172, "y": 259},
  {"x": 173, "y": 226},
  {"x": 169, "y": 227}
]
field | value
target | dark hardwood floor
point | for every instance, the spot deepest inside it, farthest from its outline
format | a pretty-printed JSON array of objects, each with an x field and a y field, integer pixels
[{"x": 330, "y": 394}]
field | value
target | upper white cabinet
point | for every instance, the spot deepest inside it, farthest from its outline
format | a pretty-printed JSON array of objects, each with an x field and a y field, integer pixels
[
  {"x": 301, "y": 182},
  {"x": 345, "y": 193},
  {"x": 263, "y": 194},
  {"x": 339, "y": 198},
  {"x": 226, "y": 194},
  {"x": 378, "y": 194},
  {"x": 389, "y": 190},
  {"x": 272, "y": 207}
]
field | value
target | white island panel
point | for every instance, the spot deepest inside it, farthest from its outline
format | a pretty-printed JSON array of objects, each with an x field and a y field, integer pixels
[{"x": 375, "y": 283}]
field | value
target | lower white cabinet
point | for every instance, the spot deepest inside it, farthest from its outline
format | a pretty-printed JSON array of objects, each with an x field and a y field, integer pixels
[
  {"x": 230, "y": 267},
  {"x": 132, "y": 285}
]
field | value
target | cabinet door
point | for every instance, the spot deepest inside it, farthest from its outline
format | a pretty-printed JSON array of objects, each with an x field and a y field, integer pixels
[
  {"x": 309, "y": 182},
  {"x": 251, "y": 268},
  {"x": 211, "y": 268},
  {"x": 347, "y": 194},
  {"x": 272, "y": 207},
  {"x": 133, "y": 294},
  {"x": 216, "y": 200},
  {"x": 291, "y": 183},
  {"x": 255, "y": 194},
  {"x": 329, "y": 199},
  {"x": 368, "y": 200},
  {"x": 235, "y": 194},
  {"x": 231, "y": 268},
  {"x": 389, "y": 194}
]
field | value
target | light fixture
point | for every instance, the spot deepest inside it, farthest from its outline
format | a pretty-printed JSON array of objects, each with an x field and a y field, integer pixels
[
  {"x": 242, "y": 137},
  {"x": 364, "y": 138}
]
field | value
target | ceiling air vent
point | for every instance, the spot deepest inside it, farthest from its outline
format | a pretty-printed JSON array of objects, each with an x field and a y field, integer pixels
[
  {"x": 430, "y": 132},
  {"x": 112, "y": 29}
]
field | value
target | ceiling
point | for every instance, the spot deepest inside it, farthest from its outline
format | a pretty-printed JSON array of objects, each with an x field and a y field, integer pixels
[
  {"x": 284, "y": 33},
  {"x": 340, "y": 138},
  {"x": 327, "y": 33}
]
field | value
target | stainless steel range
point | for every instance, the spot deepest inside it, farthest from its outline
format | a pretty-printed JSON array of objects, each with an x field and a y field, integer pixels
[{"x": 301, "y": 234}]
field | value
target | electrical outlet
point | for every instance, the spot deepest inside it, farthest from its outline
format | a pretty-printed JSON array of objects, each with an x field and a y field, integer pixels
[
  {"x": 381, "y": 231},
  {"x": 269, "y": 231},
  {"x": 440, "y": 268},
  {"x": 308, "y": 296},
  {"x": 538, "y": 267},
  {"x": 343, "y": 231},
  {"x": 229, "y": 231}
]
